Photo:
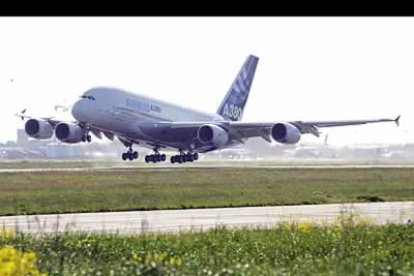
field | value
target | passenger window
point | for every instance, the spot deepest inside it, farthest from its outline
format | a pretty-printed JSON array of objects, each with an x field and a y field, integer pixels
[{"x": 87, "y": 97}]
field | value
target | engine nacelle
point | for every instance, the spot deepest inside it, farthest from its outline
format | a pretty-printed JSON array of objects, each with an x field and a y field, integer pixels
[
  {"x": 211, "y": 133},
  {"x": 285, "y": 133},
  {"x": 38, "y": 129},
  {"x": 69, "y": 133}
]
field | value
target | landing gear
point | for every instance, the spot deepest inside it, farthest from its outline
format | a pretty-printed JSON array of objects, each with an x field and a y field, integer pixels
[
  {"x": 130, "y": 154},
  {"x": 86, "y": 137},
  {"x": 184, "y": 157},
  {"x": 156, "y": 157}
]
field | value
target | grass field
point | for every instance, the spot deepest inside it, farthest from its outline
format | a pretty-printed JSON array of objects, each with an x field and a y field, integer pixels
[
  {"x": 48, "y": 163},
  {"x": 147, "y": 189},
  {"x": 301, "y": 249}
]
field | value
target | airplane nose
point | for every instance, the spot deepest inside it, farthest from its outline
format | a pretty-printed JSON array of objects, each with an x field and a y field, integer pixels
[{"x": 79, "y": 110}]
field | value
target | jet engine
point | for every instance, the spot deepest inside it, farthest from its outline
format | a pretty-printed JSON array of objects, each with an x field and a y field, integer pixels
[
  {"x": 69, "y": 133},
  {"x": 285, "y": 133},
  {"x": 38, "y": 129},
  {"x": 211, "y": 133}
]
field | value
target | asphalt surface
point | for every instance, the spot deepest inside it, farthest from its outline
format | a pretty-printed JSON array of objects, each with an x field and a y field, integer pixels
[{"x": 203, "y": 219}]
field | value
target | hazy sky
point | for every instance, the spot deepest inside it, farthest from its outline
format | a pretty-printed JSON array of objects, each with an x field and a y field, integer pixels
[{"x": 310, "y": 68}]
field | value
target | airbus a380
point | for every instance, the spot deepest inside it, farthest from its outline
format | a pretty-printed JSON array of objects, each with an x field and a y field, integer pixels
[{"x": 158, "y": 125}]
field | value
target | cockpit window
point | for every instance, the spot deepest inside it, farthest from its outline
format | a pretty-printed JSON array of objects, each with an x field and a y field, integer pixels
[{"x": 88, "y": 97}]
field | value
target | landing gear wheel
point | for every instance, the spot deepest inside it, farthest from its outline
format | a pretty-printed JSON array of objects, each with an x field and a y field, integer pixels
[
  {"x": 130, "y": 154},
  {"x": 157, "y": 157},
  {"x": 88, "y": 138},
  {"x": 184, "y": 157}
]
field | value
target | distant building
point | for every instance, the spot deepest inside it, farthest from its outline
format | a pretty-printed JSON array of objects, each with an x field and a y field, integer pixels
[
  {"x": 56, "y": 150},
  {"x": 22, "y": 137},
  {"x": 19, "y": 153}
]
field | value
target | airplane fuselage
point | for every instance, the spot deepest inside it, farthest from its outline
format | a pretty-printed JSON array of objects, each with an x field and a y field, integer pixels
[{"x": 138, "y": 117}]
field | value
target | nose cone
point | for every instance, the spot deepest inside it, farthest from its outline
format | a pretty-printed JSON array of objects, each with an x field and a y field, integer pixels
[{"x": 80, "y": 110}]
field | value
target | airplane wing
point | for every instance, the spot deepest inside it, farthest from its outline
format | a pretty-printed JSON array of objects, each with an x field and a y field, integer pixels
[
  {"x": 248, "y": 130},
  {"x": 311, "y": 127},
  {"x": 54, "y": 122},
  {"x": 50, "y": 120},
  {"x": 185, "y": 134},
  {"x": 239, "y": 130}
]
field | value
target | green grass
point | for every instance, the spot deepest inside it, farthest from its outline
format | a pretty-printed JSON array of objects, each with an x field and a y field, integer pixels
[
  {"x": 350, "y": 250},
  {"x": 67, "y": 163},
  {"x": 150, "y": 189}
]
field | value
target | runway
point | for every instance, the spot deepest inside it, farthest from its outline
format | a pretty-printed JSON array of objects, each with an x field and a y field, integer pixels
[
  {"x": 198, "y": 166},
  {"x": 203, "y": 219}
]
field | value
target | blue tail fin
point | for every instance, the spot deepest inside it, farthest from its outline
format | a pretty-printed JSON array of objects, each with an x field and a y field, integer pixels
[{"x": 231, "y": 108}]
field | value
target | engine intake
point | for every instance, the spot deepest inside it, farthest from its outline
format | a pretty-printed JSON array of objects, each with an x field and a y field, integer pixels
[
  {"x": 69, "y": 133},
  {"x": 285, "y": 133},
  {"x": 38, "y": 129},
  {"x": 214, "y": 134}
]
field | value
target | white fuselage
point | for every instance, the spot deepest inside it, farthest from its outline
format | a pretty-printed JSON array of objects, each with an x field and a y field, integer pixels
[{"x": 121, "y": 112}]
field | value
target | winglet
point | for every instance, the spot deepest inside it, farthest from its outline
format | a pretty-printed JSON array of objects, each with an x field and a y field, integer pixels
[
  {"x": 397, "y": 120},
  {"x": 21, "y": 114}
]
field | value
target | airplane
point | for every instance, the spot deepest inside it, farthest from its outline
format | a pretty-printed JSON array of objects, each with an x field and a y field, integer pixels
[{"x": 158, "y": 125}]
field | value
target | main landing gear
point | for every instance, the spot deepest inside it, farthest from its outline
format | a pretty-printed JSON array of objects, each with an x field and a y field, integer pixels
[
  {"x": 130, "y": 154},
  {"x": 156, "y": 157},
  {"x": 184, "y": 157}
]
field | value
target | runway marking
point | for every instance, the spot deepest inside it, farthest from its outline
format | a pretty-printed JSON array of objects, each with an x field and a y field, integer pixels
[{"x": 202, "y": 219}]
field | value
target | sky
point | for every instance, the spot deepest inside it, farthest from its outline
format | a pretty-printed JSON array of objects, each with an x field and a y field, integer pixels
[{"x": 310, "y": 68}]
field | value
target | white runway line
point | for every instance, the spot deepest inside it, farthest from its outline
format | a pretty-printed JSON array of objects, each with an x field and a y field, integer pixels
[{"x": 203, "y": 219}]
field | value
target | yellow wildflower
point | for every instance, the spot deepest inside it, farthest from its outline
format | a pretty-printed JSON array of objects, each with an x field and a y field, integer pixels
[{"x": 16, "y": 263}]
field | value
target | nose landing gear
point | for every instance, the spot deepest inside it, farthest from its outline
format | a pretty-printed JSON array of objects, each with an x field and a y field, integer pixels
[{"x": 86, "y": 137}]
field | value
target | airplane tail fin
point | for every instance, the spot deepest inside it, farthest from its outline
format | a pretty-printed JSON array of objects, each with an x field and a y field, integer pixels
[{"x": 231, "y": 108}]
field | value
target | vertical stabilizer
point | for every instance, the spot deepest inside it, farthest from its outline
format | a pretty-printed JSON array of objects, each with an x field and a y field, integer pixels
[{"x": 231, "y": 108}]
